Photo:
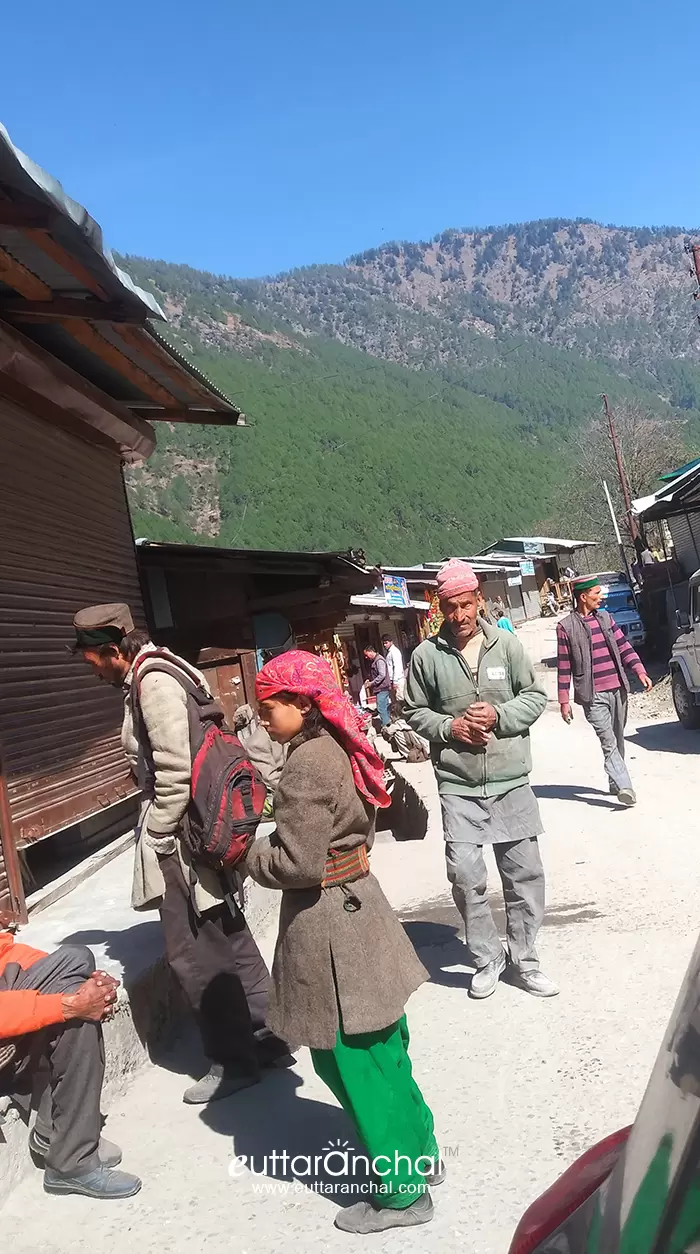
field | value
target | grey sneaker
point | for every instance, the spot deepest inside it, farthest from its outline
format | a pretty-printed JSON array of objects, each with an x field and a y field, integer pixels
[
  {"x": 103, "y": 1183},
  {"x": 437, "y": 1175},
  {"x": 364, "y": 1218},
  {"x": 484, "y": 981},
  {"x": 220, "y": 1081},
  {"x": 534, "y": 982},
  {"x": 627, "y": 797},
  {"x": 110, "y": 1155}
]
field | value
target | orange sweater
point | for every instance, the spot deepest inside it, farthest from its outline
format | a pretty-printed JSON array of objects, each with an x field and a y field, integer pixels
[{"x": 25, "y": 1010}]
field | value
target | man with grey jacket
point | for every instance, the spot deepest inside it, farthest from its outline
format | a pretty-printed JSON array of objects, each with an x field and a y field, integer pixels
[
  {"x": 207, "y": 941},
  {"x": 473, "y": 694}
]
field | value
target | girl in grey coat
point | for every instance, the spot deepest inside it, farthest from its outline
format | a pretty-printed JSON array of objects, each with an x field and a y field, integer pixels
[{"x": 343, "y": 967}]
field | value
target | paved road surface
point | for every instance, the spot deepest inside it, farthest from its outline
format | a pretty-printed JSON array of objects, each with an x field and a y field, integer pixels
[{"x": 518, "y": 1086}]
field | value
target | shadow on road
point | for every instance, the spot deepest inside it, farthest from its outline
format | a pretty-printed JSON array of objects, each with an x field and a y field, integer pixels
[
  {"x": 283, "y": 1137},
  {"x": 577, "y": 792},
  {"x": 665, "y": 738}
]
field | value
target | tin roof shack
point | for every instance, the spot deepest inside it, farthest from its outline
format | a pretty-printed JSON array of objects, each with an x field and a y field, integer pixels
[
  {"x": 81, "y": 373},
  {"x": 541, "y": 558},
  {"x": 229, "y": 609},
  {"x": 676, "y": 506}
]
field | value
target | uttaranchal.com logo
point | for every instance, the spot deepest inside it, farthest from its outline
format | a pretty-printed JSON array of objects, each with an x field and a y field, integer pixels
[{"x": 338, "y": 1161}]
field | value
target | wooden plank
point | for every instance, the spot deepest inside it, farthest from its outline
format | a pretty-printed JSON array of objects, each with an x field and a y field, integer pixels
[
  {"x": 142, "y": 343},
  {"x": 8, "y": 844},
  {"x": 69, "y": 307},
  {"x": 21, "y": 214},
  {"x": 110, "y": 354},
  {"x": 213, "y": 417},
  {"x": 65, "y": 260},
  {"x": 18, "y": 277},
  {"x": 42, "y": 407}
]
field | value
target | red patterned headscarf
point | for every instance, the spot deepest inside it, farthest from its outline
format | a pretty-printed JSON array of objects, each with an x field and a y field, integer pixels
[{"x": 306, "y": 675}]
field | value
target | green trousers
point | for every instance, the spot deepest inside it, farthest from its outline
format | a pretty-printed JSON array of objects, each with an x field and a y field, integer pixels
[{"x": 371, "y": 1077}]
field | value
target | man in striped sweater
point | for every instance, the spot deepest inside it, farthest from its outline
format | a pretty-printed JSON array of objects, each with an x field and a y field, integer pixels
[{"x": 593, "y": 652}]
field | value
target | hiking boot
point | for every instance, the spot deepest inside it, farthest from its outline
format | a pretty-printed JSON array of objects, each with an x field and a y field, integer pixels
[
  {"x": 534, "y": 982},
  {"x": 484, "y": 981},
  {"x": 220, "y": 1081},
  {"x": 110, "y": 1155},
  {"x": 627, "y": 797},
  {"x": 364, "y": 1218},
  {"x": 102, "y": 1183}
]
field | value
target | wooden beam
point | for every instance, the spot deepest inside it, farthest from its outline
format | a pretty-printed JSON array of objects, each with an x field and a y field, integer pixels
[
  {"x": 65, "y": 260},
  {"x": 69, "y": 307},
  {"x": 20, "y": 214},
  {"x": 142, "y": 343},
  {"x": 110, "y": 354},
  {"x": 18, "y": 277},
  {"x": 42, "y": 407},
  {"x": 212, "y": 417}
]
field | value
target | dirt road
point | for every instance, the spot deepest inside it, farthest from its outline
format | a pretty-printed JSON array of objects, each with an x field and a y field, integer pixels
[{"x": 518, "y": 1086}]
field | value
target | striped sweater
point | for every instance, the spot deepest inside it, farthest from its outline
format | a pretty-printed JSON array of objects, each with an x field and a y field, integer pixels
[{"x": 605, "y": 675}]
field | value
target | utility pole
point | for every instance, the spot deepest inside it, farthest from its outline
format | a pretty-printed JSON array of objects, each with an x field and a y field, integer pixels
[
  {"x": 624, "y": 484},
  {"x": 620, "y": 545}
]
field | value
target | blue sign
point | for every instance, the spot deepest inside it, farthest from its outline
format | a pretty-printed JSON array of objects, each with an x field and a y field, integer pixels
[
  {"x": 527, "y": 568},
  {"x": 396, "y": 591}
]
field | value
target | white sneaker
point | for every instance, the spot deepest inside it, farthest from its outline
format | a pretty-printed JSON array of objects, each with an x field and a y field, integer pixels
[
  {"x": 534, "y": 982},
  {"x": 484, "y": 981}
]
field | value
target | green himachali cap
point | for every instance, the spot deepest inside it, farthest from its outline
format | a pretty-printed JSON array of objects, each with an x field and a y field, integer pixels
[
  {"x": 585, "y": 584},
  {"x": 102, "y": 624}
]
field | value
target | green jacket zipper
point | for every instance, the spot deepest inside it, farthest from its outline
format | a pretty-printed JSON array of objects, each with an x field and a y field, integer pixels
[{"x": 475, "y": 682}]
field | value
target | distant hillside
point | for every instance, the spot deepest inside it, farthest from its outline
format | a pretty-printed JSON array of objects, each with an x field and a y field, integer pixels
[{"x": 419, "y": 399}]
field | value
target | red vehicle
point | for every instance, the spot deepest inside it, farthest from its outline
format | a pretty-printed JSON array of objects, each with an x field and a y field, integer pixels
[{"x": 638, "y": 1191}]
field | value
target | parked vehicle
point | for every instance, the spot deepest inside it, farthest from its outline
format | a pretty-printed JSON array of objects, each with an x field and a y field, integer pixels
[
  {"x": 637, "y": 1191},
  {"x": 619, "y": 600},
  {"x": 685, "y": 659}
]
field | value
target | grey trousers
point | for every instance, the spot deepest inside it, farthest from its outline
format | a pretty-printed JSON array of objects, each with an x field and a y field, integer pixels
[
  {"x": 607, "y": 715},
  {"x": 522, "y": 876},
  {"x": 64, "y": 1063}
]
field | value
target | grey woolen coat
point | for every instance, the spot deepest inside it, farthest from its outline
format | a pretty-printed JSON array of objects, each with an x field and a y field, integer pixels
[{"x": 331, "y": 965}]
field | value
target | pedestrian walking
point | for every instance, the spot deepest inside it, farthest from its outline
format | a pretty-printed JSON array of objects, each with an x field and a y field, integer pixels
[
  {"x": 51, "y": 1047},
  {"x": 472, "y": 692},
  {"x": 379, "y": 684},
  {"x": 344, "y": 967},
  {"x": 207, "y": 940},
  {"x": 395, "y": 667},
  {"x": 594, "y": 654}
]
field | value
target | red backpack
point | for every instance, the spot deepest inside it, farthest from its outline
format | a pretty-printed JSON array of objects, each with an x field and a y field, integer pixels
[{"x": 227, "y": 792}]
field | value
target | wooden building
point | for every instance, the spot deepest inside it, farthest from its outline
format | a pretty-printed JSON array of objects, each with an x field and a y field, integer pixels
[
  {"x": 83, "y": 374},
  {"x": 228, "y": 610}
]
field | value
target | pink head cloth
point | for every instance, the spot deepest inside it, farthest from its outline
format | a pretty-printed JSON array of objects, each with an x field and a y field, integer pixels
[
  {"x": 307, "y": 675},
  {"x": 454, "y": 578}
]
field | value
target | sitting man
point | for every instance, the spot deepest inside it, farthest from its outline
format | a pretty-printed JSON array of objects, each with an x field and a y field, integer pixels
[{"x": 51, "y": 1008}]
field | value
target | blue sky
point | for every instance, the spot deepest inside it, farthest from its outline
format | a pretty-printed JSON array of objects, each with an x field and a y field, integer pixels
[{"x": 247, "y": 139}]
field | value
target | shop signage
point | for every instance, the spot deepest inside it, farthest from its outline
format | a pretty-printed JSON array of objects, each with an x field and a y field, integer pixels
[{"x": 396, "y": 591}]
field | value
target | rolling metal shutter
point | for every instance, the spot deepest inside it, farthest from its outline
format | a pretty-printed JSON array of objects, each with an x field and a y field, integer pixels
[
  {"x": 66, "y": 543},
  {"x": 531, "y": 596},
  {"x": 685, "y": 533}
]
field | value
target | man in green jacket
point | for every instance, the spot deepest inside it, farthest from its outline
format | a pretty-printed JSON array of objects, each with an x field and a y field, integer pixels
[{"x": 473, "y": 694}]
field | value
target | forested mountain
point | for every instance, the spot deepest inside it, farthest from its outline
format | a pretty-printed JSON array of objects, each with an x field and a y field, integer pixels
[{"x": 418, "y": 400}]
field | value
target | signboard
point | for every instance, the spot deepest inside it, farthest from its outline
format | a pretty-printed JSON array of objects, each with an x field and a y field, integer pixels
[
  {"x": 514, "y": 581},
  {"x": 527, "y": 568},
  {"x": 396, "y": 591},
  {"x": 531, "y": 546}
]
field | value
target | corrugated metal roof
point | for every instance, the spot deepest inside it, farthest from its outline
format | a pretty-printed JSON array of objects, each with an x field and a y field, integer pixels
[
  {"x": 53, "y": 260},
  {"x": 676, "y": 498},
  {"x": 73, "y": 224}
]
